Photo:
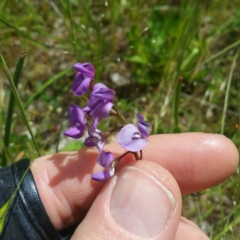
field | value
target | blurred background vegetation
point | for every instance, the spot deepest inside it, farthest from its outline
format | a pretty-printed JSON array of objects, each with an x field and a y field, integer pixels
[{"x": 174, "y": 61}]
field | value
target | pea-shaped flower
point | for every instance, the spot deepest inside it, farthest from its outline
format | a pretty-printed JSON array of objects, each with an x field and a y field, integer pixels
[
  {"x": 105, "y": 159},
  {"x": 83, "y": 78},
  {"x": 77, "y": 122},
  {"x": 101, "y": 101},
  {"x": 96, "y": 138},
  {"x": 134, "y": 139}
]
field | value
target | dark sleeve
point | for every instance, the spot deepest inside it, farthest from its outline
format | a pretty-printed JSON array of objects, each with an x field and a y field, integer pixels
[{"x": 26, "y": 218}]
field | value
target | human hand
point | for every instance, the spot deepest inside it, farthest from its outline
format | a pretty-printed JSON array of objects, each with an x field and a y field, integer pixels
[{"x": 144, "y": 199}]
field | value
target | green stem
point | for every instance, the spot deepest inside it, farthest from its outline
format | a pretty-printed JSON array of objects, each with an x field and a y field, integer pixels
[
  {"x": 8, "y": 122},
  {"x": 221, "y": 52},
  {"x": 17, "y": 98},
  {"x": 118, "y": 114},
  {"x": 59, "y": 135},
  {"x": 176, "y": 103},
  {"x": 227, "y": 93},
  {"x": 116, "y": 162},
  {"x": 73, "y": 30},
  {"x": 184, "y": 41},
  {"x": 199, "y": 218}
]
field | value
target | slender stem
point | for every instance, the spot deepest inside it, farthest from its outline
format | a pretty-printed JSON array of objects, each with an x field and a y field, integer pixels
[
  {"x": 227, "y": 93},
  {"x": 176, "y": 102},
  {"x": 199, "y": 218},
  {"x": 58, "y": 137},
  {"x": 18, "y": 100},
  {"x": 221, "y": 52},
  {"x": 184, "y": 41},
  {"x": 73, "y": 30},
  {"x": 136, "y": 155},
  {"x": 113, "y": 130},
  {"x": 124, "y": 155},
  {"x": 122, "y": 118},
  {"x": 116, "y": 162},
  {"x": 85, "y": 98},
  {"x": 8, "y": 122}
]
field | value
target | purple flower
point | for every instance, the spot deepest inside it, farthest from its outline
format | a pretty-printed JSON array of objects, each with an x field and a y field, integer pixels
[
  {"x": 83, "y": 78},
  {"x": 103, "y": 176},
  {"x": 101, "y": 101},
  {"x": 105, "y": 159},
  {"x": 77, "y": 122},
  {"x": 144, "y": 127},
  {"x": 134, "y": 139},
  {"x": 96, "y": 138}
]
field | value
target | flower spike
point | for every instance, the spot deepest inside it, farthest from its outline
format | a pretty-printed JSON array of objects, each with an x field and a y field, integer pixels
[{"x": 99, "y": 105}]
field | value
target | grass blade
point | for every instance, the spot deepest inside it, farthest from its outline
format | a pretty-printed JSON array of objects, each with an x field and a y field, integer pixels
[
  {"x": 221, "y": 52},
  {"x": 17, "y": 98},
  {"x": 184, "y": 39},
  {"x": 73, "y": 30},
  {"x": 45, "y": 85},
  {"x": 4, "y": 209},
  {"x": 8, "y": 122},
  {"x": 227, "y": 93},
  {"x": 26, "y": 36}
]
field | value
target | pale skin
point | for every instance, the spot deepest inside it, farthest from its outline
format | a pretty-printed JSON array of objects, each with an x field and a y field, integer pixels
[{"x": 183, "y": 163}]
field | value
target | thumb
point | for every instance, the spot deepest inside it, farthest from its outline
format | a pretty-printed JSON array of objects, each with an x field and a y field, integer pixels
[{"x": 142, "y": 201}]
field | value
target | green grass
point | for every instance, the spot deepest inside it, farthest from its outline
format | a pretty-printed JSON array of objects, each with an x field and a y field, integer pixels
[{"x": 180, "y": 61}]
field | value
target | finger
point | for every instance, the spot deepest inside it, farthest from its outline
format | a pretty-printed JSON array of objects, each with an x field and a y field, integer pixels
[
  {"x": 188, "y": 230},
  {"x": 142, "y": 201},
  {"x": 197, "y": 160},
  {"x": 201, "y": 160},
  {"x": 67, "y": 191}
]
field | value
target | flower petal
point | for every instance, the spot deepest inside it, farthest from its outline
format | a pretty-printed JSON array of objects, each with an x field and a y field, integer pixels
[
  {"x": 103, "y": 176},
  {"x": 85, "y": 68},
  {"x": 76, "y": 116},
  {"x": 88, "y": 142},
  {"x": 102, "y": 109},
  {"x": 130, "y": 138},
  {"x": 74, "y": 132},
  {"x": 100, "y": 91},
  {"x": 80, "y": 88},
  {"x": 77, "y": 81},
  {"x": 144, "y": 127},
  {"x": 96, "y": 137},
  {"x": 105, "y": 158},
  {"x": 92, "y": 129},
  {"x": 101, "y": 101}
]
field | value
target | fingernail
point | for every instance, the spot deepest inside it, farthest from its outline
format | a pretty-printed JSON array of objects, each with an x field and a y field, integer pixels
[{"x": 140, "y": 203}]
